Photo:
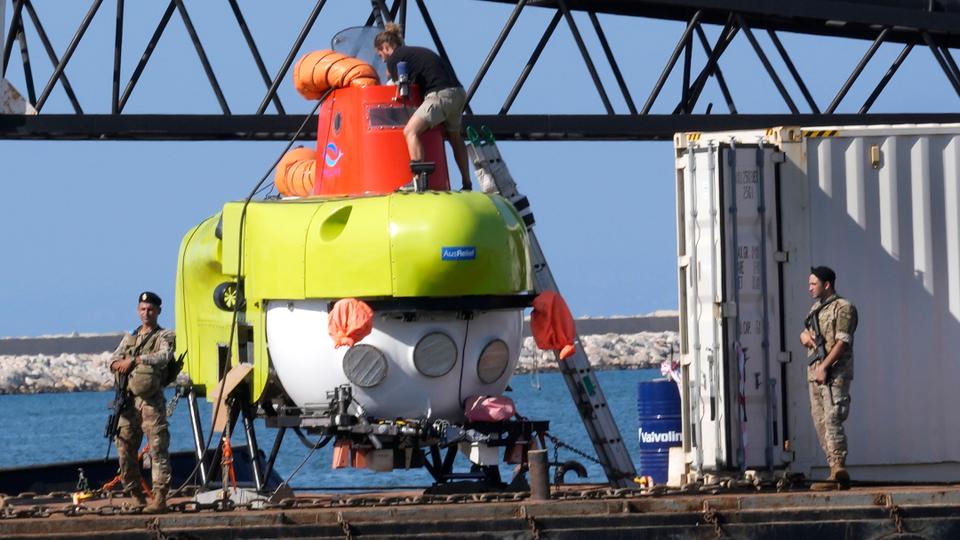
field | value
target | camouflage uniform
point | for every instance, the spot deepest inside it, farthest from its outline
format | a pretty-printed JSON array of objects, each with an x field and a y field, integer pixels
[
  {"x": 147, "y": 411},
  {"x": 830, "y": 402}
]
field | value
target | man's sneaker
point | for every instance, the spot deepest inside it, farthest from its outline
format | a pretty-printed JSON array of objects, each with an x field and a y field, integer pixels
[{"x": 409, "y": 187}]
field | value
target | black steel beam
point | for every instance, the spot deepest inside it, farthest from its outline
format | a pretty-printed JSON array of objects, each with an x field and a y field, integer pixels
[
  {"x": 885, "y": 79},
  {"x": 52, "y": 55},
  {"x": 599, "y": 127},
  {"x": 860, "y": 19},
  {"x": 77, "y": 36}
]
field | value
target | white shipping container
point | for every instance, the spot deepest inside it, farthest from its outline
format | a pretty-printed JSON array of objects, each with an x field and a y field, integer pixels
[{"x": 756, "y": 209}]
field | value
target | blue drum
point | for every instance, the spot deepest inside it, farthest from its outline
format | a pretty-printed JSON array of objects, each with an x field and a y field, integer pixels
[{"x": 658, "y": 409}]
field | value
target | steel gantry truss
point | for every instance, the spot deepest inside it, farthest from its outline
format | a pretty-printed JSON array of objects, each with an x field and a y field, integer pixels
[{"x": 932, "y": 27}]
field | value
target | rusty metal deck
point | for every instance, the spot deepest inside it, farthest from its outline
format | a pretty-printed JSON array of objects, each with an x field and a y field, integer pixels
[{"x": 597, "y": 512}]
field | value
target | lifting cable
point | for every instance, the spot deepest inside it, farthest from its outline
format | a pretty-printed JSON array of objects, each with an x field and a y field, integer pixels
[{"x": 236, "y": 308}]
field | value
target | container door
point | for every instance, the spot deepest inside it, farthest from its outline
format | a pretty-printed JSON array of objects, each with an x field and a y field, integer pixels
[
  {"x": 705, "y": 399},
  {"x": 730, "y": 314},
  {"x": 753, "y": 290}
]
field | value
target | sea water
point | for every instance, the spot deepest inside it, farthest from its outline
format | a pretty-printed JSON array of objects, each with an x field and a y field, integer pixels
[{"x": 48, "y": 428}]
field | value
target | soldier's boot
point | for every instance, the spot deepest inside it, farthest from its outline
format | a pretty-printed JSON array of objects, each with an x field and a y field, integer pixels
[
  {"x": 839, "y": 479},
  {"x": 158, "y": 505},
  {"x": 842, "y": 478}
]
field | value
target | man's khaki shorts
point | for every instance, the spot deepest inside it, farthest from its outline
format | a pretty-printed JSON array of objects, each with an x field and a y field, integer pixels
[{"x": 443, "y": 106}]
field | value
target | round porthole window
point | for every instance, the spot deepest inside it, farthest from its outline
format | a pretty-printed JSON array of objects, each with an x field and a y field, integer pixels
[
  {"x": 493, "y": 361},
  {"x": 365, "y": 365},
  {"x": 435, "y": 355}
]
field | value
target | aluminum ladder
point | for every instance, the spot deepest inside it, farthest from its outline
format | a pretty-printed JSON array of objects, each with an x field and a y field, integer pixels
[{"x": 494, "y": 177}]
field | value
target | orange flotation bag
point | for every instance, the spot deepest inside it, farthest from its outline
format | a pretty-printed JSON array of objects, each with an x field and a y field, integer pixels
[
  {"x": 296, "y": 172},
  {"x": 552, "y": 324},
  {"x": 350, "y": 321},
  {"x": 319, "y": 71}
]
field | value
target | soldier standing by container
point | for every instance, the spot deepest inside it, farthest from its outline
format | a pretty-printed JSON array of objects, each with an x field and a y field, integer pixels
[
  {"x": 144, "y": 354},
  {"x": 828, "y": 337}
]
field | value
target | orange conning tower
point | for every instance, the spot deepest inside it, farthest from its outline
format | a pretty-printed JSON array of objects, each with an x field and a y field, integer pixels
[
  {"x": 360, "y": 144},
  {"x": 361, "y": 147}
]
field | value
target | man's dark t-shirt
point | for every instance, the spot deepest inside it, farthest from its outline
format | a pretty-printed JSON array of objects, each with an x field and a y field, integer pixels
[{"x": 424, "y": 68}]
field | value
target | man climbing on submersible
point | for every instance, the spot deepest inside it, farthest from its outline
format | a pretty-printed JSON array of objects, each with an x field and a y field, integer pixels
[
  {"x": 828, "y": 337},
  {"x": 443, "y": 95},
  {"x": 144, "y": 355}
]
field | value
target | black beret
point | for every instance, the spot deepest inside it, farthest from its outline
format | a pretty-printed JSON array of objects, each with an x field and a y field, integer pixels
[
  {"x": 824, "y": 273},
  {"x": 150, "y": 298}
]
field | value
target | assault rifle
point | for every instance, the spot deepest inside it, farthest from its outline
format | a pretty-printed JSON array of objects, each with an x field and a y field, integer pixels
[
  {"x": 813, "y": 323},
  {"x": 121, "y": 397}
]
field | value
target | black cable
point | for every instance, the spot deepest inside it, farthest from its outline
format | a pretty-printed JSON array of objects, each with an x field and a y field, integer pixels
[
  {"x": 243, "y": 219},
  {"x": 320, "y": 444},
  {"x": 463, "y": 363},
  {"x": 238, "y": 304}
]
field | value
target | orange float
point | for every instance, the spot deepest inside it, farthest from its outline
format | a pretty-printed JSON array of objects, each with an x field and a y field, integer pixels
[
  {"x": 294, "y": 176},
  {"x": 360, "y": 144},
  {"x": 319, "y": 71}
]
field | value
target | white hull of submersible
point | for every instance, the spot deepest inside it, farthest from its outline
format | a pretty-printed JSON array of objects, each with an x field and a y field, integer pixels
[{"x": 385, "y": 377}]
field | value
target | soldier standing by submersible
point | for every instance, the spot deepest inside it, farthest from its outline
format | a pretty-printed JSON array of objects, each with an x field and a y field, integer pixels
[
  {"x": 143, "y": 356},
  {"x": 828, "y": 337}
]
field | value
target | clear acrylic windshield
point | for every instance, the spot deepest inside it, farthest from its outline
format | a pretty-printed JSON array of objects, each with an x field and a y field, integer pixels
[{"x": 357, "y": 41}]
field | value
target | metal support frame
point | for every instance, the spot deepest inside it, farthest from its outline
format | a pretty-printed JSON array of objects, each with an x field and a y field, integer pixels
[
  {"x": 685, "y": 85},
  {"x": 117, "y": 53},
  {"x": 886, "y": 78},
  {"x": 233, "y": 414},
  {"x": 586, "y": 56},
  {"x": 793, "y": 71},
  {"x": 935, "y": 49},
  {"x": 671, "y": 62},
  {"x": 478, "y": 78},
  {"x": 766, "y": 63},
  {"x": 950, "y": 62},
  {"x": 613, "y": 62},
  {"x": 196, "y": 430},
  {"x": 145, "y": 57},
  {"x": 727, "y": 34},
  {"x": 15, "y": 24},
  {"x": 857, "y": 70},
  {"x": 297, "y": 43},
  {"x": 720, "y": 80},
  {"x": 248, "y": 415},
  {"x": 252, "y": 45},
  {"x": 27, "y": 69},
  {"x": 520, "y": 127},
  {"x": 733, "y": 15},
  {"x": 203, "y": 56},
  {"x": 534, "y": 56},
  {"x": 435, "y": 36},
  {"x": 274, "y": 452},
  {"x": 77, "y": 36},
  {"x": 51, "y": 54}
]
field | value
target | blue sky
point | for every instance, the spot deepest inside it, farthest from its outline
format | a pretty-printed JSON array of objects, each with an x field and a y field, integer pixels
[{"x": 88, "y": 225}]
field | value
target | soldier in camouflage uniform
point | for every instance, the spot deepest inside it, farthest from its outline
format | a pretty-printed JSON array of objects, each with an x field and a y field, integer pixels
[
  {"x": 829, "y": 378},
  {"x": 144, "y": 355}
]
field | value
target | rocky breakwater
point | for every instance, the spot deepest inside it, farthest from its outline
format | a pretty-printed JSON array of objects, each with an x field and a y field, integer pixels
[
  {"x": 608, "y": 351},
  {"x": 79, "y": 372},
  {"x": 34, "y": 374}
]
